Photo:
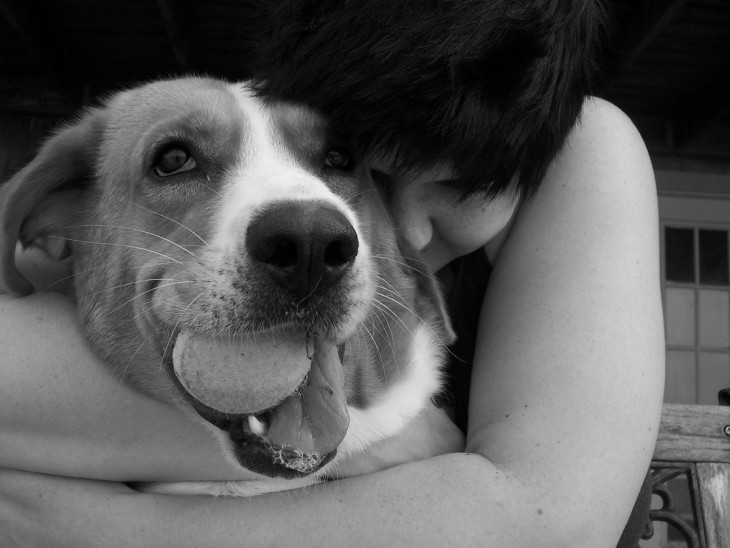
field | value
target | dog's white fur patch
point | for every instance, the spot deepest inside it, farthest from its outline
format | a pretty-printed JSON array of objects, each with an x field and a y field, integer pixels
[
  {"x": 275, "y": 174},
  {"x": 404, "y": 398},
  {"x": 265, "y": 174}
]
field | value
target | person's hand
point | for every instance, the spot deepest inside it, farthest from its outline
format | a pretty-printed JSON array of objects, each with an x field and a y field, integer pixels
[{"x": 432, "y": 433}]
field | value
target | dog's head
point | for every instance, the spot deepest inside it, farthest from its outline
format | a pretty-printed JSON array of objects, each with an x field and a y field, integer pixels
[{"x": 234, "y": 257}]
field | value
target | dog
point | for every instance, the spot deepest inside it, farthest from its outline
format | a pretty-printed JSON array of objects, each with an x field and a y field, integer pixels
[{"x": 192, "y": 209}]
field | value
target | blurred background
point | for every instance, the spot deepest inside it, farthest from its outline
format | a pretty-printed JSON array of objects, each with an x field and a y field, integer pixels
[{"x": 668, "y": 69}]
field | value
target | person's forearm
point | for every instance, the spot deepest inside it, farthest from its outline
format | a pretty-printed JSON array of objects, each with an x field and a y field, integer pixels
[
  {"x": 63, "y": 412},
  {"x": 452, "y": 500}
]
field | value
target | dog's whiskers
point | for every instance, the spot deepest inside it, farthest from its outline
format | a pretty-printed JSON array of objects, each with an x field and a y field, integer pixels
[
  {"x": 350, "y": 200},
  {"x": 413, "y": 312},
  {"x": 386, "y": 333},
  {"x": 93, "y": 269},
  {"x": 123, "y": 371},
  {"x": 377, "y": 349},
  {"x": 403, "y": 263},
  {"x": 314, "y": 289},
  {"x": 386, "y": 330},
  {"x": 143, "y": 311},
  {"x": 209, "y": 186},
  {"x": 393, "y": 314},
  {"x": 178, "y": 223},
  {"x": 138, "y": 295},
  {"x": 58, "y": 282},
  {"x": 179, "y": 321},
  {"x": 139, "y": 230},
  {"x": 113, "y": 244},
  {"x": 385, "y": 285},
  {"x": 119, "y": 286},
  {"x": 383, "y": 313}
]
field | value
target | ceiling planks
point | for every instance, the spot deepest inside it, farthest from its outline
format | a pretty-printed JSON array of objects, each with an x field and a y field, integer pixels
[
  {"x": 648, "y": 19},
  {"x": 669, "y": 68},
  {"x": 670, "y": 75}
]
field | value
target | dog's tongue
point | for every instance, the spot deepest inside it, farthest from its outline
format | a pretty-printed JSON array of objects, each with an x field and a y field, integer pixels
[{"x": 314, "y": 419}]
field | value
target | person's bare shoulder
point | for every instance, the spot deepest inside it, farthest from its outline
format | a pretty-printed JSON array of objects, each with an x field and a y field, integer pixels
[{"x": 605, "y": 138}]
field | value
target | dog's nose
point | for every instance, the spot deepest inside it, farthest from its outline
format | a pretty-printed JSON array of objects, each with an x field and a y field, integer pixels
[{"x": 303, "y": 246}]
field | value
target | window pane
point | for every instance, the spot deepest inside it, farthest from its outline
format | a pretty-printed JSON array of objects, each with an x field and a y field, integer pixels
[
  {"x": 713, "y": 376},
  {"x": 681, "y": 379},
  {"x": 679, "y": 312},
  {"x": 713, "y": 257},
  {"x": 714, "y": 318},
  {"x": 679, "y": 244}
]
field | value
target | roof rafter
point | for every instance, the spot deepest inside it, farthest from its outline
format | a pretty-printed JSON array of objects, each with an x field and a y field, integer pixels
[
  {"x": 172, "y": 20},
  {"x": 16, "y": 14},
  {"x": 649, "y": 18},
  {"x": 19, "y": 17},
  {"x": 701, "y": 110}
]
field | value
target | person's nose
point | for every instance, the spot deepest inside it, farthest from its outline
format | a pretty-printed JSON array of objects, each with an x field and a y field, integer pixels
[{"x": 412, "y": 216}]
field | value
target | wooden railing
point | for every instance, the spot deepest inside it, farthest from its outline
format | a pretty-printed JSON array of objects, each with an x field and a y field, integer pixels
[{"x": 694, "y": 443}]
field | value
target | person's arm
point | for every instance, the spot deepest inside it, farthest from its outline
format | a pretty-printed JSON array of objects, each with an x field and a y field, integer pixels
[
  {"x": 565, "y": 398},
  {"x": 63, "y": 412},
  {"x": 568, "y": 398}
]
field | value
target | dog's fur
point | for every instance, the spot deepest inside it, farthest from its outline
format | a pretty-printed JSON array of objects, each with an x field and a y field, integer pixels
[
  {"x": 156, "y": 250},
  {"x": 490, "y": 87}
]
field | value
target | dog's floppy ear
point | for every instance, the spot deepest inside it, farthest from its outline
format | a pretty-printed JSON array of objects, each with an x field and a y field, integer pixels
[{"x": 44, "y": 195}]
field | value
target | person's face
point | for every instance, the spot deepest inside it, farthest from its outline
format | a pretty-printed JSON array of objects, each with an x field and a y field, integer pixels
[{"x": 429, "y": 214}]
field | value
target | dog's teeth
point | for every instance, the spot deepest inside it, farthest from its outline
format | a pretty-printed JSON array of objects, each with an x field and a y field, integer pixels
[{"x": 258, "y": 426}]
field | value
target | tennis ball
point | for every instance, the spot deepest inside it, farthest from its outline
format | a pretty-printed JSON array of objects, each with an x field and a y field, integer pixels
[{"x": 243, "y": 374}]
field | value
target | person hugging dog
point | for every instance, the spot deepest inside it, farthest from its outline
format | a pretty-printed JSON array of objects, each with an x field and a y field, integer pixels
[{"x": 534, "y": 203}]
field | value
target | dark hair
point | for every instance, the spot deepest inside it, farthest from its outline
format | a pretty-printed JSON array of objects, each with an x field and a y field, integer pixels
[{"x": 491, "y": 86}]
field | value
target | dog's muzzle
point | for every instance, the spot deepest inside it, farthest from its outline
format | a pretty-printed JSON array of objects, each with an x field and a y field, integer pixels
[{"x": 280, "y": 392}]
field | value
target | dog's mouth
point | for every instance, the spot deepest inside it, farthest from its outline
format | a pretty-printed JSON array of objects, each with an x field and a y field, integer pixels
[{"x": 285, "y": 415}]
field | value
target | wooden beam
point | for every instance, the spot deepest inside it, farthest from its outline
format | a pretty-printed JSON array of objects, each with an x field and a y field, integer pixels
[
  {"x": 172, "y": 21},
  {"x": 701, "y": 110},
  {"x": 43, "y": 50},
  {"x": 659, "y": 134},
  {"x": 697, "y": 130},
  {"x": 666, "y": 161},
  {"x": 694, "y": 433},
  {"x": 16, "y": 15},
  {"x": 715, "y": 501},
  {"x": 37, "y": 106},
  {"x": 648, "y": 19}
]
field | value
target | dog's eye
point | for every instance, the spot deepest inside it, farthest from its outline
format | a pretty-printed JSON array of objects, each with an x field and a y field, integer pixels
[
  {"x": 338, "y": 158},
  {"x": 173, "y": 160}
]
